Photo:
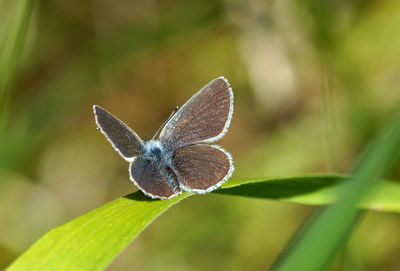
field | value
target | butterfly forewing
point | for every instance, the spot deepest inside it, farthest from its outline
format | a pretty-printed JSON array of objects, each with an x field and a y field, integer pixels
[
  {"x": 152, "y": 180},
  {"x": 203, "y": 118},
  {"x": 123, "y": 139},
  {"x": 201, "y": 168}
]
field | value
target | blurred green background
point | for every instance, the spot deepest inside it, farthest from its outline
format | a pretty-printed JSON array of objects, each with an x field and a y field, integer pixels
[{"x": 313, "y": 81}]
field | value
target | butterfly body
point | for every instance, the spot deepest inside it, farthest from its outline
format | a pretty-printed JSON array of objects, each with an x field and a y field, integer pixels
[
  {"x": 155, "y": 152},
  {"x": 176, "y": 161}
]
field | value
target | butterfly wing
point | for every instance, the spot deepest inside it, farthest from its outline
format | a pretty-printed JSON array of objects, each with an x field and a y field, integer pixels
[
  {"x": 154, "y": 182},
  {"x": 202, "y": 168},
  {"x": 205, "y": 117},
  {"x": 125, "y": 141}
]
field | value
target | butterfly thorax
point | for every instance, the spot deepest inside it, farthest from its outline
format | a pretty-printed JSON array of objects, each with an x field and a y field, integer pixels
[{"x": 155, "y": 152}]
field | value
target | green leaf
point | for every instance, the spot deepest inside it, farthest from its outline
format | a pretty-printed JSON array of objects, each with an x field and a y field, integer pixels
[
  {"x": 93, "y": 240},
  {"x": 328, "y": 229}
]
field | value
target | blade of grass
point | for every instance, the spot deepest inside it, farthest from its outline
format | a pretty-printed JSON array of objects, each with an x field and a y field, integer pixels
[
  {"x": 327, "y": 230},
  {"x": 314, "y": 190},
  {"x": 11, "y": 47},
  {"x": 93, "y": 240}
]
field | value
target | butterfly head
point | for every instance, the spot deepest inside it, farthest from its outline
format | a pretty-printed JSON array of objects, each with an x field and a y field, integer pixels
[{"x": 155, "y": 151}]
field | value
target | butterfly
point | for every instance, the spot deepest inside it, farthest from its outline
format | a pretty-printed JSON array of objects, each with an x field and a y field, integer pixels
[{"x": 178, "y": 160}]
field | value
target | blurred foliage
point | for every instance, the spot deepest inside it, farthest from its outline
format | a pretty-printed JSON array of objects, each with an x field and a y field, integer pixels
[
  {"x": 15, "y": 20},
  {"x": 313, "y": 82},
  {"x": 335, "y": 223}
]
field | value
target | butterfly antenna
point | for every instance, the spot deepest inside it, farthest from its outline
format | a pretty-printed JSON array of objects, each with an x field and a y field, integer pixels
[{"x": 162, "y": 125}]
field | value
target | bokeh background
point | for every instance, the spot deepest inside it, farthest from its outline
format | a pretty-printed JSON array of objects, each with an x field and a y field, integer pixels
[{"x": 313, "y": 81}]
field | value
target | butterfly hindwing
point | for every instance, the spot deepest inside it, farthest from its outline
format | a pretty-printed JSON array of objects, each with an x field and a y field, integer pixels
[
  {"x": 153, "y": 181},
  {"x": 201, "y": 168}
]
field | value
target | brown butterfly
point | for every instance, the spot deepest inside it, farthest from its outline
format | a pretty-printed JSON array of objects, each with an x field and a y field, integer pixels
[{"x": 178, "y": 161}]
